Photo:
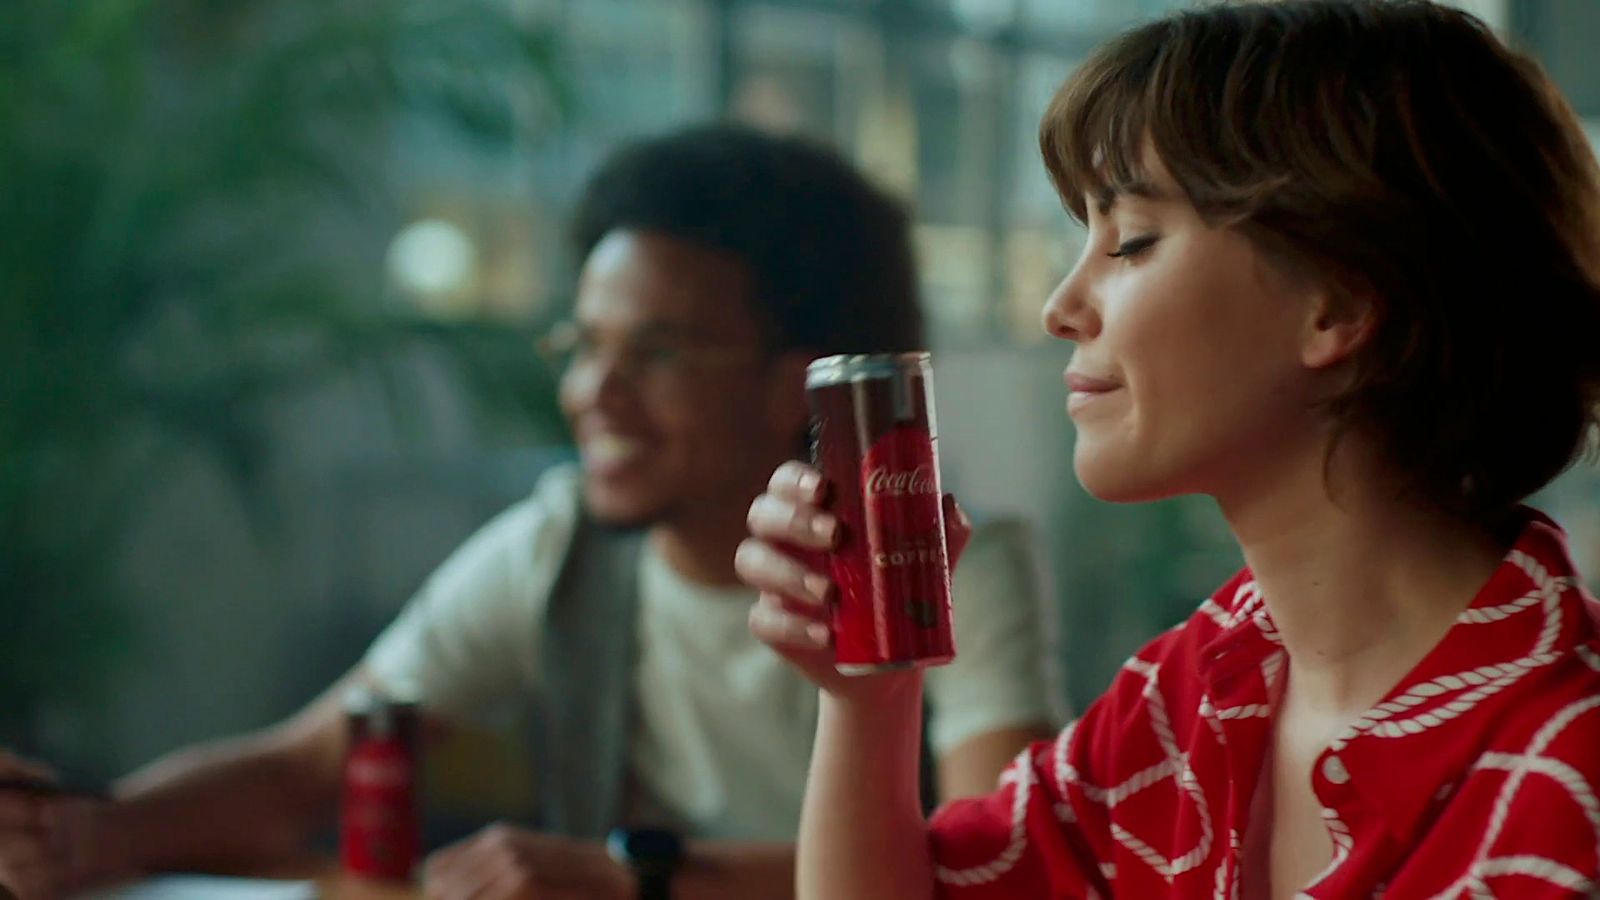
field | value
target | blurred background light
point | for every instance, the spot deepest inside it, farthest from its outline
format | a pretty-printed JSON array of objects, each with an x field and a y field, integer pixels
[{"x": 434, "y": 260}]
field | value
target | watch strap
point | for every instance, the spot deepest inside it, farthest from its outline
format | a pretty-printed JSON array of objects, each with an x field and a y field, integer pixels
[{"x": 655, "y": 886}]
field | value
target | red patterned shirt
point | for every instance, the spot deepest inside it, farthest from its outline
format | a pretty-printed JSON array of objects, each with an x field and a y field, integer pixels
[{"x": 1475, "y": 776}]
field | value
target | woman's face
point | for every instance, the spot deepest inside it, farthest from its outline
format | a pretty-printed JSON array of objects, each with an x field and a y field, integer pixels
[{"x": 1189, "y": 374}]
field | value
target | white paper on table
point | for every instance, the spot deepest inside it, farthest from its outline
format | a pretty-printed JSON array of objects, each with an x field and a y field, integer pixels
[{"x": 209, "y": 887}]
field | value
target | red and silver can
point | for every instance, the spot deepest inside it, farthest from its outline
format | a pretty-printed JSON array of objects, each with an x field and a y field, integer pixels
[
  {"x": 379, "y": 824},
  {"x": 875, "y": 439}
]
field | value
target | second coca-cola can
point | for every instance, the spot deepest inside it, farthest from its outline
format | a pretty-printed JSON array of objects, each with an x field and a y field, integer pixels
[
  {"x": 379, "y": 822},
  {"x": 875, "y": 438}
]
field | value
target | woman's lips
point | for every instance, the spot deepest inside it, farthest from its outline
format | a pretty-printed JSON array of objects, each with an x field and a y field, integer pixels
[
  {"x": 1085, "y": 390},
  {"x": 1088, "y": 385}
]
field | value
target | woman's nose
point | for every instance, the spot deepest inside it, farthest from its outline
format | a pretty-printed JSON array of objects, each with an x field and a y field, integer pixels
[{"x": 1069, "y": 314}]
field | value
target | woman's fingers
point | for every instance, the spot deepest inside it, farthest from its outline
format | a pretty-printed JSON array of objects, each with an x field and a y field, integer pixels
[
  {"x": 781, "y": 520},
  {"x": 803, "y": 639},
  {"x": 798, "y": 482},
  {"x": 767, "y": 568},
  {"x": 782, "y": 626},
  {"x": 957, "y": 529}
]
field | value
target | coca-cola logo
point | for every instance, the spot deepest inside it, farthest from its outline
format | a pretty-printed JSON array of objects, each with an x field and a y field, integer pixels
[{"x": 882, "y": 482}]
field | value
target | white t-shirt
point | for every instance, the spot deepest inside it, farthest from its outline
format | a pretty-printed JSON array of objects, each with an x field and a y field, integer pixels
[{"x": 724, "y": 730}]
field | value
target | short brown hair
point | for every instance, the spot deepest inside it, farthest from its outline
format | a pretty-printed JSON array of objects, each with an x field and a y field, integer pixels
[
  {"x": 1400, "y": 149},
  {"x": 829, "y": 252}
]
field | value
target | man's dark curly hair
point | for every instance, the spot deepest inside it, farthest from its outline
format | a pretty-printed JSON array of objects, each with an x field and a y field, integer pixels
[{"x": 830, "y": 254}]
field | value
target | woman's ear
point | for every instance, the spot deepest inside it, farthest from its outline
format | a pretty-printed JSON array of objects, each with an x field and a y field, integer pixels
[{"x": 1340, "y": 321}]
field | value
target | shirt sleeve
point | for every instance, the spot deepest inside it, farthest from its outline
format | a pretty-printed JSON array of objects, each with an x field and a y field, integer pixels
[
  {"x": 1037, "y": 836},
  {"x": 1048, "y": 830},
  {"x": 466, "y": 644},
  {"x": 1005, "y": 673},
  {"x": 1540, "y": 831}
]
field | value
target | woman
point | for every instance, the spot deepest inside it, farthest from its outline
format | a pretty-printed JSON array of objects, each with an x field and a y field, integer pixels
[{"x": 1342, "y": 275}]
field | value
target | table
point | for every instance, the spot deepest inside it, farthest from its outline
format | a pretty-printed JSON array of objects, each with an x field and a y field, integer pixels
[{"x": 334, "y": 884}]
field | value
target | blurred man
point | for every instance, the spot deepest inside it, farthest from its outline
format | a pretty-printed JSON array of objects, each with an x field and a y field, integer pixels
[{"x": 604, "y": 607}]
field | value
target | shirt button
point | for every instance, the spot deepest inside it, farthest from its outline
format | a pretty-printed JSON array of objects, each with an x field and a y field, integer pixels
[{"x": 1333, "y": 769}]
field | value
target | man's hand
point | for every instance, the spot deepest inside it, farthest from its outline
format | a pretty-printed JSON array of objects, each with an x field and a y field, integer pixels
[
  {"x": 502, "y": 862},
  {"x": 44, "y": 837}
]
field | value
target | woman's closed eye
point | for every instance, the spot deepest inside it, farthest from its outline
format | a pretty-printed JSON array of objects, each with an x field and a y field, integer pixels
[{"x": 1134, "y": 246}]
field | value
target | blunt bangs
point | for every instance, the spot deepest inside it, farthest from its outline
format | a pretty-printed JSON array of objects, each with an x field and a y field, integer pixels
[
  {"x": 1234, "y": 121},
  {"x": 1094, "y": 133}
]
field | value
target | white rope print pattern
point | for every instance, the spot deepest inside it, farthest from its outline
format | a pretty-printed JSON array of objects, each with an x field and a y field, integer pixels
[
  {"x": 1247, "y": 604},
  {"x": 1227, "y": 883},
  {"x": 1343, "y": 843},
  {"x": 1065, "y": 772},
  {"x": 1389, "y": 719},
  {"x": 1247, "y": 600},
  {"x": 1171, "y": 832},
  {"x": 1520, "y": 766},
  {"x": 1176, "y": 766},
  {"x": 1020, "y": 776}
]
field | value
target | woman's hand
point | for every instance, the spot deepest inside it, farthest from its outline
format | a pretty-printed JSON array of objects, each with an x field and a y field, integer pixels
[{"x": 785, "y": 558}]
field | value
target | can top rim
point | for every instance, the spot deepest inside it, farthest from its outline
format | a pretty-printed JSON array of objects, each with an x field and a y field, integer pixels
[
  {"x": 363, "y": 699},
  {"x": 857, "y": 366}
]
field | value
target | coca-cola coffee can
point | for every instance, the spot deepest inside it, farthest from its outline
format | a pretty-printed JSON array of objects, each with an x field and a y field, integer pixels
[
  {"x": 379, "y": 823},
  {"x": 874, "y": 437}
]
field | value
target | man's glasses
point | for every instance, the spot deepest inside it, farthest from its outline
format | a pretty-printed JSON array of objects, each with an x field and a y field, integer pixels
[{"x": 661, "y": 357}]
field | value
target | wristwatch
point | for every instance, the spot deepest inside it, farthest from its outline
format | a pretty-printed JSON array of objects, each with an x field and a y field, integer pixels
[{"x": 652, "y": 854}]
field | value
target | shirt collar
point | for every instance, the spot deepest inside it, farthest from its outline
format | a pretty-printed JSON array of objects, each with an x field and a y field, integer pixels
[{"x": 1532, "y": 611}]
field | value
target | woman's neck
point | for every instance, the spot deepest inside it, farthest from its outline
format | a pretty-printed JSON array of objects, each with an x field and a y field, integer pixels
[{"x": 1360, "y": 582}]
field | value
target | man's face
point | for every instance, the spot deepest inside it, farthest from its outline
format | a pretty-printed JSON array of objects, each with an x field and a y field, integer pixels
[{"x": 677, "y": 408}]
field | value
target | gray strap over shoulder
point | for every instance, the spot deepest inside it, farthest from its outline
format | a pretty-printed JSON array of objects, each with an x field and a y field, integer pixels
[
  {"x": 589, "y": 652},
  {"x": 588, "y": 657}
]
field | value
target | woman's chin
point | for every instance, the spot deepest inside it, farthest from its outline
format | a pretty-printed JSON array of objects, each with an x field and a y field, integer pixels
[{"x": 1114, "y": 480}]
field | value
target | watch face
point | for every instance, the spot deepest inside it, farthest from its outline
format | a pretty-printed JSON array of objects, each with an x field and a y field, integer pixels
[
  {"x": 654, "y": 845},
  {"x": 651, "y": 848}
]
